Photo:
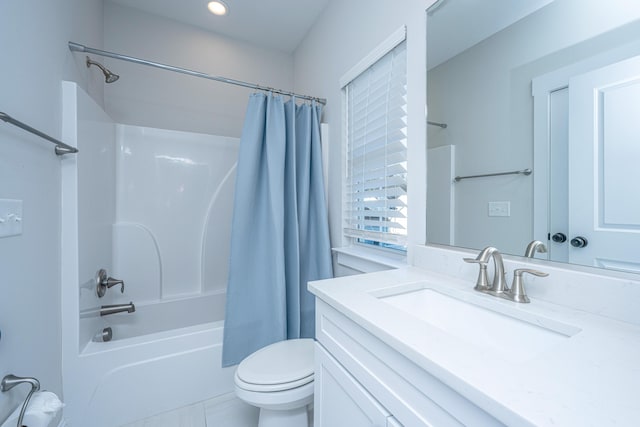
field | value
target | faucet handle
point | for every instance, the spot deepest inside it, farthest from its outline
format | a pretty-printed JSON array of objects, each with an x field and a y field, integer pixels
[
  {"x": 517, "y": 292},
  {"x": 104, "y": 282},
  {"x": 112, "y": 282},
  {"x": 482, "y": 283}
]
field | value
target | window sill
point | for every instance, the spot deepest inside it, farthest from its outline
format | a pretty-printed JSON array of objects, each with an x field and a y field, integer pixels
[{"x": 368, "y": 260}]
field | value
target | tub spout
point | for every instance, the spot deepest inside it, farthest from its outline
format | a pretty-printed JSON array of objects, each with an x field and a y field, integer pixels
[{"x": 117, "y": 308}]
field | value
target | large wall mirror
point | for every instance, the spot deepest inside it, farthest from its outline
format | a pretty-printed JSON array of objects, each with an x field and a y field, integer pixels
[{"x": 543, "y": 96}]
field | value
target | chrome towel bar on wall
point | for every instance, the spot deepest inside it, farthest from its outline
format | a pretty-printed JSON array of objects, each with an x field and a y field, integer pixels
[
  {"x": 61, "y": 147},
  {"x": 440, "y": 125},
  {"x": 522, "y": 172}
]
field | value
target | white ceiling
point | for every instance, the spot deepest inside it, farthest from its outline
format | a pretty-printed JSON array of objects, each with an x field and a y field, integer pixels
[
  {"x": 455, "y": 25},
  {"x": 274, "y": 24}
]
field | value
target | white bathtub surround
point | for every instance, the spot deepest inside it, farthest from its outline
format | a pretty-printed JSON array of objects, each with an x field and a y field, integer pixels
[
  {"x": 588, "y": 376},
  {"x": 174, "y": 197},
  {"x": 168, "y": 353}
]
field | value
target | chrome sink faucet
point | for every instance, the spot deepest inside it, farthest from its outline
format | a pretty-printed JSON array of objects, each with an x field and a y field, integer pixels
[{"x": 499, "y": 284}]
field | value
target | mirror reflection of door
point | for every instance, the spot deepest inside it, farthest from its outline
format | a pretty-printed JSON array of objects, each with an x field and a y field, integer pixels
[
  {"x": 604, "y": 166},
  {"x": 594, "y": 164},
  {"x": 558, "y": 245}
]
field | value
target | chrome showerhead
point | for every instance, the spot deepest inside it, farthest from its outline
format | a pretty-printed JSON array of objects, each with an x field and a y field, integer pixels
[{"x": 109, "y": 77}]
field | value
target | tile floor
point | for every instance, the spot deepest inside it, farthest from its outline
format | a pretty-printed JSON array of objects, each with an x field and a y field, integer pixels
[{"x": 222, "y": 411}]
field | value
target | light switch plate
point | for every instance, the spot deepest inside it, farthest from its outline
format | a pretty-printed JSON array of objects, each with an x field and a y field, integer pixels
[
  {"x": 499, "y": 208},
  {"x": 10, "y": 217}
]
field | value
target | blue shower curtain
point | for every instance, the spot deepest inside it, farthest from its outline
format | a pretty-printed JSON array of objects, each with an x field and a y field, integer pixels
[{"x": 280, "y": 234}]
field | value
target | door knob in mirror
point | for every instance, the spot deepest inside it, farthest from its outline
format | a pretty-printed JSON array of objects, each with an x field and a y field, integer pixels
[
  {"x": 559, "y": 238},
  {"x": 579, "y": 242}
]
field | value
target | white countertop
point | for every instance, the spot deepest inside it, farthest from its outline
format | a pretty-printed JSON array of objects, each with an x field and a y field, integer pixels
[{"x": 591, "y": 378}]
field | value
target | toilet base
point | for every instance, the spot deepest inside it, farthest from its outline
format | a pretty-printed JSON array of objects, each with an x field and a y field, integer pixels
[{"x": 297, "y": 417}]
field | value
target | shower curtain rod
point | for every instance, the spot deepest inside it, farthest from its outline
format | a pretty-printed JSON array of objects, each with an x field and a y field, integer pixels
[{"x": 76, "y": 47}]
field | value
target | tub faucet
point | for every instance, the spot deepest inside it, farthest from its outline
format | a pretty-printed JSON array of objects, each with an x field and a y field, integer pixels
[
  {"x": 105, "y": 310},
  {"x": 499, "y": 284},
  {"x": 533, "y": 247},
  {"x": 104, "y": 282}
]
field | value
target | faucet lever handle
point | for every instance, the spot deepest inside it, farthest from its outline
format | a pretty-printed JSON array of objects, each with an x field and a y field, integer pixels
[
  {"x": 110, "y": 282},
  {"x": 482, "y": 283},
  {"x": 521, "y": 271},
  {"x": 517, "y": 292}
]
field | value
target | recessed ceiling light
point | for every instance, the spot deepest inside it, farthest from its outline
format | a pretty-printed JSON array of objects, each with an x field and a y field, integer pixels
[{"x": 218, "y": 7}]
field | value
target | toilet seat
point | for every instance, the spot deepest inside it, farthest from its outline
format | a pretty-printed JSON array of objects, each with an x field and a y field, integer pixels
[
  {"x": 277, "y": 367},
  {"x": 271, "y": 388}
]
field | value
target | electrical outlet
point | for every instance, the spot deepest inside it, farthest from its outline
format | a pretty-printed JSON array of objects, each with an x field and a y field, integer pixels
[
  {"x": 499, "y": 208},
  {"x": 10, "y": 217}
]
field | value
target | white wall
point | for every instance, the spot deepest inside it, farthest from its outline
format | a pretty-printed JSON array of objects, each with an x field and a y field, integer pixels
[
  {"x": 345, "y": 33},
  {"x": 484, "y": 96},
  {"x": 34, "y": 61},
  {"x": 151, "y": 97}
]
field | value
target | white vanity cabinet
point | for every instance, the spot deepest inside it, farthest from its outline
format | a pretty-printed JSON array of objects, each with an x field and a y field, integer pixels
[
  {"x": 341, "y": 400},
  {"x": 361, "y": 381}
]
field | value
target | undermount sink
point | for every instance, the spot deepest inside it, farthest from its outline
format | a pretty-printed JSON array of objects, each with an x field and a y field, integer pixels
[{"x": 512, "y": 334}]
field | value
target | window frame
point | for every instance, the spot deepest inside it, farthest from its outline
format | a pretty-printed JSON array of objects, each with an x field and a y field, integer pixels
[{"x": 388, "y": 45}]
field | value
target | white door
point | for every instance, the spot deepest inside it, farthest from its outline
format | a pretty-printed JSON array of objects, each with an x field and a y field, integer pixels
[
  {"x": 557, "y": 244},
  {"x": 604, "y": 167}
]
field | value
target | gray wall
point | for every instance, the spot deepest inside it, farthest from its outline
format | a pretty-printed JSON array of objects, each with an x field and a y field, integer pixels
[
  {"x": 34, "y": 61},
  {"x": 147, "y": 96},
  {"x": 344, "y": 34}
]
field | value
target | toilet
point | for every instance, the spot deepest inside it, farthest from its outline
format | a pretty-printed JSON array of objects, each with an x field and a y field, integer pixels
[{"x": 278, "y": 379}]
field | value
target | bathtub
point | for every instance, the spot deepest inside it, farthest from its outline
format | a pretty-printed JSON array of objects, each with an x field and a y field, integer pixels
[
  {"x": 164, "y": 356},
  {"x": 164, "y": 315}
]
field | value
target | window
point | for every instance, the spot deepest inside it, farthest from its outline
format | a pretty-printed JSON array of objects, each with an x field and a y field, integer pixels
[{"x": 375, "y": 210}]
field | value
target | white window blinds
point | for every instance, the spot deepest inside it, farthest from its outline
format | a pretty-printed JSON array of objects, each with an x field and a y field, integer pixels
[{"x": 376, "y": 184}]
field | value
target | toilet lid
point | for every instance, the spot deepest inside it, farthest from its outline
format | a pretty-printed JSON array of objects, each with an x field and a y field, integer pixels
[{"x": 279, "y": 363}]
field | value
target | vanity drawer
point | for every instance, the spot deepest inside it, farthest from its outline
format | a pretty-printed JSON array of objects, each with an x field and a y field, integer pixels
[
  {"x": 412, "y": 395},
  {"x": 340, "y": 400}
]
